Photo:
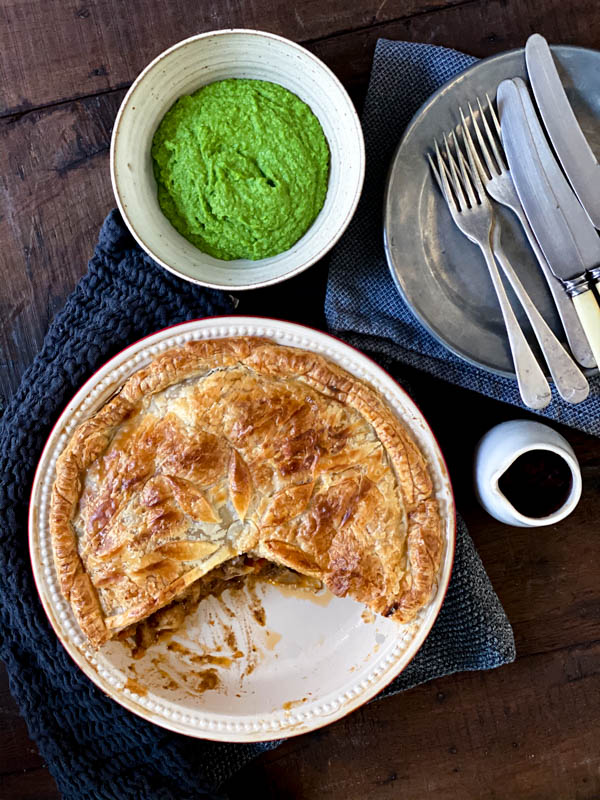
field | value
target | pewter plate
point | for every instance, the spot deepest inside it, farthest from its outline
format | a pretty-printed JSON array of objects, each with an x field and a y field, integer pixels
[
  {"x": 439, "y": 273},
  {"x": 261, "y": 663}
]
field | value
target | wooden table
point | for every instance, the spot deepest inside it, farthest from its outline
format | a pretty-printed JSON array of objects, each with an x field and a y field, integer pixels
[{"x": 528, "y": 730}]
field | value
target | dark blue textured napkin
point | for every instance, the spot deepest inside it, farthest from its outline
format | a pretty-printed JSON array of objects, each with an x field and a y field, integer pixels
[
  {"x": 94, "y": 748},
  {"x": 363, "y": 305}
]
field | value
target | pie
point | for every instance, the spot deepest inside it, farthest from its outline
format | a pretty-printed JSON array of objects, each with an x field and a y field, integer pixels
[{"x": 225, "y": 455}]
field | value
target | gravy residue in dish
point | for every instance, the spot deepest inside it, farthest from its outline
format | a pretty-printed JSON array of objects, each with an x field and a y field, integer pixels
[
  {"x": 273, "y": 639},
  {"x": 135, "y": 687},
  {"x": 293, "y": 704},
  {"x": 198, "y": 658},
  {"x": 184, "y": 659},
  {"x": 203, "y": 681},
  {"x": 256, "y": 606},
  {"x": 167, "y": 679},
  {"x": 194, "y": 682},
  {"x": 322, "y": 598},
  {"x": 230, "y": 640}
]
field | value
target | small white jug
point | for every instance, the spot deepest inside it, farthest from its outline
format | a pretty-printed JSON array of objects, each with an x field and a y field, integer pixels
[{"x": 499, "y": 448}]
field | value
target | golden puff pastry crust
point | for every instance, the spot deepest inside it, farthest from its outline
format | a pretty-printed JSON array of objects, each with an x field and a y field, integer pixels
[{"x": 241, "y": 446}]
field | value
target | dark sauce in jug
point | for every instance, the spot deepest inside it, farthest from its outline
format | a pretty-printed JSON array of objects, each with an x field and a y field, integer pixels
[{"x": 537, "y": 483}]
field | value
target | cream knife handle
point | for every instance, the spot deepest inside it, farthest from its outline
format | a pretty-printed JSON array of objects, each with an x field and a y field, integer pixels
[{"x": 588, "y": 312}]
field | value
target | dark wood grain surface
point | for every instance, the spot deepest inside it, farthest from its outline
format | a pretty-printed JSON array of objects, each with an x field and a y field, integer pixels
[{"x": 529, "y": 730}]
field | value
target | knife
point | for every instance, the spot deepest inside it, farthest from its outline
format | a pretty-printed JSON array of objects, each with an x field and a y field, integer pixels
[
  {"x": 564, "y": 232},
  {"x": 555, "y": 175},
  {"x": 572, "y": 148}
]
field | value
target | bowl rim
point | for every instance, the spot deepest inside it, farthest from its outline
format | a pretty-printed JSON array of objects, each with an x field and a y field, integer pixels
[{"x": 361, "y": 167}]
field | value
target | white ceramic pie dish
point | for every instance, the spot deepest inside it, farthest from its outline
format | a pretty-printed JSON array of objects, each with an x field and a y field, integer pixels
[
  {"x": 196, "y": 62},
  {"x": 315, "y": 659}
]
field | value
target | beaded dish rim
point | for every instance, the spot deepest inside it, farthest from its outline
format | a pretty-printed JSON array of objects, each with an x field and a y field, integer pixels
[{"x": 175, "y": 716}]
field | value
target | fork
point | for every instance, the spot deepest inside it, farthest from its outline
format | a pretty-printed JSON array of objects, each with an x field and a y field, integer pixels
[
  {"x": 570, "y": 382},
  {"x": 475, "y": 219},
  {"x": 499, "y": 185}
]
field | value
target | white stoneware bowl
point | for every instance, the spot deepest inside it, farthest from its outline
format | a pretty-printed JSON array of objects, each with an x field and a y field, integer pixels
[
  {"x": 205, "y": 59},
  {"x": 311, "y": 659}
]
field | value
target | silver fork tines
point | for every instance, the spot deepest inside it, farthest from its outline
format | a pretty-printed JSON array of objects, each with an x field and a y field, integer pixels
[
  {"x": 495, "y": 165},
  {"x": 456, "y": 180}
]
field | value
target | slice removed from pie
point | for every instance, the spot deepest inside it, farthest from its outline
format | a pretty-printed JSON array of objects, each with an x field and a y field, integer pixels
[{"x": 241, "y": 447}]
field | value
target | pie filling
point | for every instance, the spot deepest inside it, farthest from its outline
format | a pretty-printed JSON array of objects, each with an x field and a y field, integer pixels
[
  {"x": 236, "y": 457},
  {"x": 230, "y": 575}
]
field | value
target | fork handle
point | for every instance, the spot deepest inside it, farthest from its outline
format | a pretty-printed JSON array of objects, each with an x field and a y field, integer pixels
[
  {"x": 576, "y": 336},
  {"x": 534, "y": 388},
  {"x": 568, "y": 378}
]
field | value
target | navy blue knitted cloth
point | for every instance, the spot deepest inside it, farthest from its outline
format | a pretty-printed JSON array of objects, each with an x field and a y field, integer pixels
[{"x": 94, "y": 747}]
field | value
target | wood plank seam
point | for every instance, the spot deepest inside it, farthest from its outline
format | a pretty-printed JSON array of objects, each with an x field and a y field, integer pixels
[
  {"x": 384, "y": 22},
  {"x": 11, "y": 118},
  {"x": 13, "y": 115}
]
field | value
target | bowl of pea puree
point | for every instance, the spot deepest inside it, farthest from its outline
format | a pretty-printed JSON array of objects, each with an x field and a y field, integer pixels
[{"x": 237, "y": 159}]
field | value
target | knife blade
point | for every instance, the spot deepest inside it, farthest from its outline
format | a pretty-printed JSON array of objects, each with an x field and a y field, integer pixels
[
  {"x": 583, "y": 232},
  {"x": 575, "y": 155},
  {"x": 564, "y": 232},
  {"x": 557, "y": 180}
]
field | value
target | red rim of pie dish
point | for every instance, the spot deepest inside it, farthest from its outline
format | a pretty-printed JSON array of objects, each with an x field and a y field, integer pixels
[{"x": 451, "y": 543}]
